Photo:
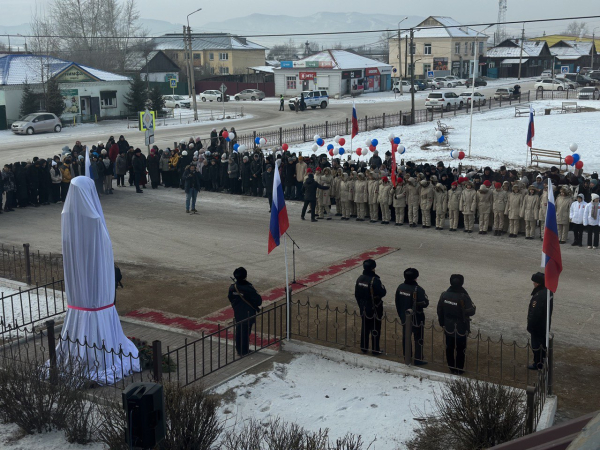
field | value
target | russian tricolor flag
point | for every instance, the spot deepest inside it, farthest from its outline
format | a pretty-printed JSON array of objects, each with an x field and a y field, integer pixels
[
  {"x": 354, "y": 121},
  {"x": 279, "y": 218},
  {"x": 551, "y": 259},
  {"x": 530, "y": 128}
]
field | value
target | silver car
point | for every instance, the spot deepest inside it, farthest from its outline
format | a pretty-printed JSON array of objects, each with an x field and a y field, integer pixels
[
  {"x": 250, "y": 94},
  {"x": 37, "y": 123}
]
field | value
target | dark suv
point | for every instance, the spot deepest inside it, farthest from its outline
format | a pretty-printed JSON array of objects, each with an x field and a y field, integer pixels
[
  {"x": 582, "y": 80},
  {"x": 478, "y": 82}
]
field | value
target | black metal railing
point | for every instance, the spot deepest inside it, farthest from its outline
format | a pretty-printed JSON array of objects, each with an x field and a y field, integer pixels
[{"x": 30, "y": 266}]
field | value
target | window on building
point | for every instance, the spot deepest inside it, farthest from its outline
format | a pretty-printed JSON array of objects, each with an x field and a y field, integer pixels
[
  {"x": 457, "y": 48},
  {"x": 481, "y": 48},
  {"x": 290, "y": 82},
  {"x": 212, "y": 70},
  {"x": 491, "y": 65},
  {"x": 224, "y": 70},
  {"x": 186, "y": 56},
  {"x": 411, "y": 68},
  {"x": 223, "y": 56},
  {"x": 211, "y": 56},
  {"x": 175, "y": 55},
  {"x": 197, "y": 56},
  {"x": 108, "y": 99},
  {"x": 472, "y": 45},
  {"x": 545, "y": 64},
  {"x": 427, "y": 49},
  {"x": 426, "y": 68},
  {"x": 466, "y": 48}
]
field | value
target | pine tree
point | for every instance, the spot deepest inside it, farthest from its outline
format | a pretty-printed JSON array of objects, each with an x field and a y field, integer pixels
[
  {"x": 135, "y": 99},
  {"x": 29, "y": 101},
  {"x": 54, "y": 99},
  {"x": 157, "y": 100}
]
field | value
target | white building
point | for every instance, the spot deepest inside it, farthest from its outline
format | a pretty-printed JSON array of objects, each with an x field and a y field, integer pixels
[
  {"x": 337, "y": 71},
  {"x": 87, "y": 92}
]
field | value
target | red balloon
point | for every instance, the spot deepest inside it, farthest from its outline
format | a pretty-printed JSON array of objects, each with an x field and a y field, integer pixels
[
  {"x": 225, "y": 134},
  {"x": 331, "y": 152},
  {"x": 372, "y": 148},
  {"x": 342, "y": 142},
  {"x": 568, "y": 160},
  {"x": 359, "y": 151},
  {"x": 461, "y": 155},
  {"x": 578, "y": 164},
  {"x": 284, "y": 147}
]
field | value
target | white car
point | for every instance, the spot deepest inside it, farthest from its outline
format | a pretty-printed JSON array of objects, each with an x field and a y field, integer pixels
[
  {"x": 548, "y": 84},
  {"x": 213, "y": 95},
  {"x": 432, "y": 84},
  {"x": 444, "y": 100},
  {"x": 405, "y": 86},
  {"x": 588, "y": 93},
  {"x": 176, "y": 101},
  {"x": 445, "y": 83},
  {"x": 479, "y": 98},
  {"x": 547, "y": 73},
  {"x": 458, "y": 81},
  {"x": 312, "y": 99}
]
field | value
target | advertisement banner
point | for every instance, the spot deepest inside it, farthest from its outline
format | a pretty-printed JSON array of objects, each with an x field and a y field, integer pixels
[
  {"x": 347, "y": 74},
  {"x": 300, "y": 64},
  {"x": 71, "y": 99},
  {"x": 440, "y": 64},
  {"x": 312, "y": 63},
  {"x": 372, "y": 71},
  {"x": 325, "y": 64},
  {"x": 287, "y": 64},
  {"x": 307, "y": 75}
]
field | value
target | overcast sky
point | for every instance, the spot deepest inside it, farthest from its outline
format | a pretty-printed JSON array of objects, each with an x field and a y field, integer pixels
[{"x": 15, "y": 12}]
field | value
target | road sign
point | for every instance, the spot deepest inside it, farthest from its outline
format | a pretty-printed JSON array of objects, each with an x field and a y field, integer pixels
[
  {"x": 430, "y": 74},
  {"x": 564, "y": 69},
  {"x": 223, "y": 88},
  {"x": 173, "y": 83},
  {"x": 395, "y": 70},
  {"x": 147, "y": 120},
  {"x": 578, "y": 69},
  {"x": 149, "y": 138}
]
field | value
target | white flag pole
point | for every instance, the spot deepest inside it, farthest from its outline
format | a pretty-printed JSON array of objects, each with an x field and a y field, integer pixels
[
  {"x": 547, "y": 320},
  {"x": 287, "y": 291}
]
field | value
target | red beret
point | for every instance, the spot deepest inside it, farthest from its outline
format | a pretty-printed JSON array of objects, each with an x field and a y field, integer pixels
[
  {"x": 487, "y": 183},
  {"x": 497, "y": 185},
  {"x": 309, "y": 170},
  {"x": 454, "y": 183},
  {"x": 399, "y": 180},
  {"x": 385, "y": 179},
  {"x": 318, "y": 169}
]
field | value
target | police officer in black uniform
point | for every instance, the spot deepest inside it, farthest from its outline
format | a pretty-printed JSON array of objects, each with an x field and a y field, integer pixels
[
  {"x": 536, "y": 319},
  {"x": 454, "y": 311},
  {"x": 410, "y": 295},
  {"x": 369, "y": 293},
  {"x": 246, "y": 303}
]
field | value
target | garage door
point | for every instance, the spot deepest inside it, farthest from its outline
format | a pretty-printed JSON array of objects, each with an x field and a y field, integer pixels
[{"x": 323, "y": 82}]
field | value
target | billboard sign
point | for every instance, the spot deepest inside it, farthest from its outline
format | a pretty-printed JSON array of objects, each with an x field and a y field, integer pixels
[{"x": 440, "y": 64}]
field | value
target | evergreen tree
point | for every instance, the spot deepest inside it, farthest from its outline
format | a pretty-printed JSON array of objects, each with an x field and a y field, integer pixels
[
  {"x": 54, "y": 99},
  {"x": 135, "y": 99},
  {"x": 29, "y": 101},
  {"x": 156, "y": 100}
]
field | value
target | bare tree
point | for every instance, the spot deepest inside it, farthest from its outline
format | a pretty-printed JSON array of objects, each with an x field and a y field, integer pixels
[
  {"x": 385, "y": 39},
  {"x": 576, "y": 28}
]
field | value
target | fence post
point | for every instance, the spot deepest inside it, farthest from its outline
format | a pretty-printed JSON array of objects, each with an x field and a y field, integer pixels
[
  {"x": 567, "y": 94},
  {"x": 254, "y": 139},
  {"x": 280, "y": 136},
  {"x": 530, "y": 412},
  {"x": 326, "y": 128},
  {"x": 51, "y": 351},
  {"x": 27, "y": 263},
  {"x": 304, "y": 133},
  {"x": 346, "y": 126},
  {"x": 550, "y": 364},
  {"x": 157, "y": 361},
  {"x": 408, "y": 337},
  {"x": 383, "y": 121},
  {"x": 366, "y": 124}
]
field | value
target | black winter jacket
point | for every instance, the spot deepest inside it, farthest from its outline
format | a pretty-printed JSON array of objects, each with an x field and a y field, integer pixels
[
  {"x": 405, "y": 300},
  {"x": 191, "y": 180},
  {"x": 248, "y": 308},
  {"x": 454, "y": 310},
  {"x": 369, "y": 304},
  {"x": 310, "y": 189},
  {"x": 536, "y": 315}
]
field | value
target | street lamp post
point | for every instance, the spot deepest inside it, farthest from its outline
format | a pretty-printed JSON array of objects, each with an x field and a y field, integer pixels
[
  {"x": 191, "y": 65},
  {"x": 475, "y": 65},
  {"x": 399, "y": 55},
  {"x": 593, "y": 45}
]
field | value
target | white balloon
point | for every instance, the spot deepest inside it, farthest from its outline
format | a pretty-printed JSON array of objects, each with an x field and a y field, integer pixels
[
  {"x": 316, "y": 138},
  {"x": 232, "y": 136},
  {"x": 242, "y": 148},
  {"x": 263, "y": 142},
  {"x": 315, "y": 147},
  {"x": 391, "y": 137},
  {"x": 401, "y": 149},
  {"x": 573, "y": 147},
  {"x": 336, "y": 151},
  {"x": 368, "y": 143},
  {"x": 438, "y": 134},
  {"x": 337, "y": 139}
]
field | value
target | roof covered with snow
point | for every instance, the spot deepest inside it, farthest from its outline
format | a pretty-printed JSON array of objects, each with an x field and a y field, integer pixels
[
  {"x": 16, "y": 69},
  {"x": 340, "y": 59},
  {"x": 432, "y": 28},
  {"x": 201, "y": 41},
  {"x": 511, "y": 48},
  {"x": 571, "y": 50},
  {"x": 264, "y": 69},
  {"x": 135, "y": 61}
]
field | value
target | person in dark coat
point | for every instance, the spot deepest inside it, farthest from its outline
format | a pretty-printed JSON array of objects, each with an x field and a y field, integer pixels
[
  {"x": 7, "y": 177},
  {"x": 45, "y": 183},
  {"x": 153, "y": 163},
  {"x": 139, "y": 168},
  {"x": 410, "y": 295},
  {"x": 33, "y": 180},
  {"x": 454, "y": 311},
  {"x": 536, "y": 319},
  {"x": 369, "y": 292},
  {"x": 246, "y": 175},
  {"x": 256, "y": 173},
  {"x": 267, "y": 180},
  {"x": 22, "y": 185},
  {"x": 310, "y": 196},
  {"x": 290, "y": 178},
  {"x": 123, "y": 144},
  {"x": 246, "y": 304},
  {"x": 191, "y": 186},
  {"x": 130, "y": 154}
]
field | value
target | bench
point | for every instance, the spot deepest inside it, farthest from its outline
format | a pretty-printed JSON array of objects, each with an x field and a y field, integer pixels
[
  {"x": 443, "y": 128},
  {"x": 538, "y": 155},
  {"x": 522, "y": 110},
  {"x": 570, "y": 106}
]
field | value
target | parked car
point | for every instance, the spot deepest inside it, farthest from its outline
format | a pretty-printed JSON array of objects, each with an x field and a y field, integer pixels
[
  {"x": 213, "y": 95},
  {"x": 458, "y": 81},
  {"x": 478, "y": 82},
  {"x": 478, "y": 96},
  {"x": 548, "y": 84},
  {"x": 446, "y": 100},
  {"x": 176, "y": 101},
  {"x": 594, "y": 75},
  {"x": 312, "y": 99},
  {"x": 422, "y": 84},
  {"x": 405, "y": 86},
  {"x": 250, "y": 94},
  {"x": 433, "y": 84},
  {"x": 445, "y": 83},
  {"x": 547, "y": 73},
  {"x": 582, "y": 80},
  {"x": 37, "y": 123},
  {"x": 588, "y": 93},
  {"x": 504, "y": 94}
]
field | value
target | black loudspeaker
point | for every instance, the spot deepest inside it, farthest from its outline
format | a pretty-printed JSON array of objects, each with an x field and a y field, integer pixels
[{"x": 144, "y": 404}]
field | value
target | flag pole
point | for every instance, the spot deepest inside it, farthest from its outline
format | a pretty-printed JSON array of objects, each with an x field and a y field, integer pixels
[
  {"x": 547, "y": 320},
  {"x": 287, "y": 291}
]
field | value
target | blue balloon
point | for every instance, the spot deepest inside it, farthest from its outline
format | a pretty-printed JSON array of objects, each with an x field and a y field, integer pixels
[
  {"x": 374, "y": 142},
  {"x": 257, "y": 140},
  {"x": 228, "y": 139},
  {"x": 235, "y": 149},
  {"x": 441, "y": 140},
  {"x": 396, "y": 140},
  {"x": 341, "y": 151},
  {"x": 576, "y": 158},
  {"x": 330, "y": 147},
  {"x": 236, "y": 146},
  {"x": 320, "y": 142}
]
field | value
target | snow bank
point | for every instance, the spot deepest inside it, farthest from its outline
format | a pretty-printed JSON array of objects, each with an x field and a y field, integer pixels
[
  {"x": 317, "y": 393},
  {"x": 46, "y": 441}
]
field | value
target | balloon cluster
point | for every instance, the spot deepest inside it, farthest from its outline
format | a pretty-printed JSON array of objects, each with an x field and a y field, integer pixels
[
  {"x": 371, "y": 144},
  {"x": 440, "y": 137},
  {"x": 395, "y": 141},
  {"x": 574, "y": 159},
  {"x": 456, "y": 154},
  {"x": 261, "y": 142},
  {"x": 239, "y": 148},
  {"x": 229, "y": 136}
]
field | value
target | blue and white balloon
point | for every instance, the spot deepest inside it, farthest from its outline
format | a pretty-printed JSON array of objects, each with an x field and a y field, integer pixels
[
  {"x": 396, "y": 140},
  {"x": 341, "y": 150}
]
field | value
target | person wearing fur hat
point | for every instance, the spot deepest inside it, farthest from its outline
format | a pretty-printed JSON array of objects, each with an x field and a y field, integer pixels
[
  {"x": 513, "y": 210},
  {"x": 499, "y": 199},
  {"x": 413, "y": 193},
  {"x": 440, "y": 205},
  {"x": 530, "y": 211},
  {"x": 591, "y": 220},
  {"x": 543, "y": 209},
  {"x": 245, "y": 301},
  {"x": 468, "y": 206},
  {"x": 346, "y": 196},
  {"x": 361, "y": 196},
  {"x": 454, "y": 310},
  {"x": 369, "y": 292},
  {"x": 536, "y": 319},
  {"x": 373, "y": 194},
  {"x": 484, "y": 206},
  {"x": 399, "y": 201},
  {"x": 409, "y": 295},
  {"x": 426, "y": 202},
  {"x": 454, "y": 195},
  {"x": 385, "y": 200},
  {"x": 324, "y": 195},
  {"x": 563, "y": 207},
  {"x": 301, "y": 168}
]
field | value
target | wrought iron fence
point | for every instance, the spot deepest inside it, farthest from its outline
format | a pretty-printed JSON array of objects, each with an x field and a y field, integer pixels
[
  {"x": 32, "y": 306},
  {"x": 30, "y": 266}
]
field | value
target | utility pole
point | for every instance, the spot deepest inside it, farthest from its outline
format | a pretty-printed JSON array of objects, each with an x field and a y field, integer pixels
[
  {"x": 521, "y": 55},
  {"x": 405, "y": 56},
  {"x": 192, "y": 79},
  {"x": 412, "y": 77},
  {"x": 400, "y": 60},
  {"x": 186, "y": 56}
]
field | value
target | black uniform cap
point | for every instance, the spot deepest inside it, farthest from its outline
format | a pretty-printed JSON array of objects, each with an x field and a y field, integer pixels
[
  {"x": 369, "y": 264},
  {"x": 538, "y": 278},
  {"x": 240, "y": 274},
  {"x": 411, "y": 274},
  {"x": 457, "y": 280}
]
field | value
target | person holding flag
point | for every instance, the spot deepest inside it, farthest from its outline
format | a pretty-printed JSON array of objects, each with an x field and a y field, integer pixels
[{"x": 530, "y": 128}]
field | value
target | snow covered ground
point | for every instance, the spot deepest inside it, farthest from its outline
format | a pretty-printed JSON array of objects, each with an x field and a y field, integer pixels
[
  {"x": 55, "y": 440},
  {"x": 498, "y": 136},
  {"x": 341, "y": 397}
]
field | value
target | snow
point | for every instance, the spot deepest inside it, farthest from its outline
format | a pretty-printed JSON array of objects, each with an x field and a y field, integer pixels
[
  {"x": 498, "y": 139},
  {"x": 341, "y": 397},
  {"x": 54, "y": 440}
]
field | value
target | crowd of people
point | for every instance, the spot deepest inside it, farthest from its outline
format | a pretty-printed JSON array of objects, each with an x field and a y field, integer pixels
[{"x": 500, "y": 201}]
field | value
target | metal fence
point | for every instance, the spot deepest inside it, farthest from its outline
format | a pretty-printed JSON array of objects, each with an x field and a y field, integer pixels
[{"x": 30, "y": 266}]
